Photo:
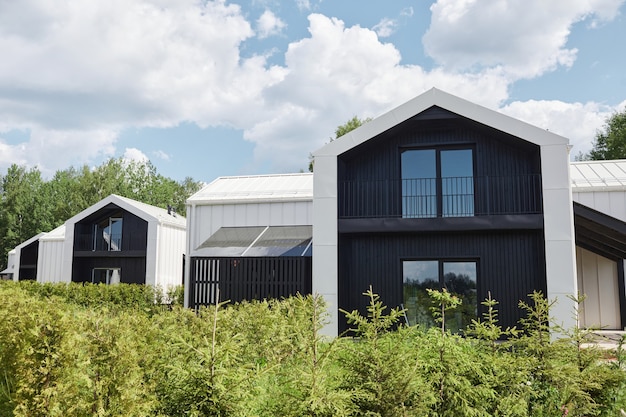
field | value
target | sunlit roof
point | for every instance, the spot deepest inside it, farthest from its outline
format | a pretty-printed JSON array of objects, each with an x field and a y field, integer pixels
[
  {"x": 598, "y": 175},
  {"x": 283, "y": 187},
  {"x": 258, "y": 241}
]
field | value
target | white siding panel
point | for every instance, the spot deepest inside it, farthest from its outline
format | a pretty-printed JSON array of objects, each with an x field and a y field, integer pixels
[
  {"x": 601, "y": 202},
  {"x": 585, "y": 199},
  {"x": 597, "y": 278},
  {"x": 618, "y": 205},
  {"x": 50, "y": 262},
  {"x": 170, "y": 258}
]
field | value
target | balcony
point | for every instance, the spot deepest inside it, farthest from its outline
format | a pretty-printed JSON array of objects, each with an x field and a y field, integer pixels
[{"x": 422, "y": 198}]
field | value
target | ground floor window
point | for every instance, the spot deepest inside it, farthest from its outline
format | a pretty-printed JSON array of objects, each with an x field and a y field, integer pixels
[
  {"x": 105, "y": 275},
  {"x": 457, "y": 276}
]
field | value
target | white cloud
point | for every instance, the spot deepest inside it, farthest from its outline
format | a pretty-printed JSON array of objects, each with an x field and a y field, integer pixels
[
  {"x": 81, "y": 72},
  {"x": 135, "y": 155},
  {"x": 526, "y": 38},
  {"x": 339, "y": 72},
  {"x": 385, "y": 28},
  {"x": 269, "y": 24},
  {"x": 576, "y": 121},
  {"x": 159, "y": 154},
  {"x": 303, "y": 4}
]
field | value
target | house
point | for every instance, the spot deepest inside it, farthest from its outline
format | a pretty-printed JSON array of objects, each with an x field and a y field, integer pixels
[
  {"x": 22, "y": 260},
  {"x": 599, "y": 195},
  {"x": 251, "y": 238},
  {"x": 115, "y": 240},
  {"x": 439, "y": 192}
]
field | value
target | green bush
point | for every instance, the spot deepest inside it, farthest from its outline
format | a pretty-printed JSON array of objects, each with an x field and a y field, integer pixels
[{"x": 92, "y": 350}]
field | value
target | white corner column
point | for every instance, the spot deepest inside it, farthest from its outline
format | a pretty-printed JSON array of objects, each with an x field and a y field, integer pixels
[
  {"x": 325, "y": 239},
  {"x": 560, "y": 242}
]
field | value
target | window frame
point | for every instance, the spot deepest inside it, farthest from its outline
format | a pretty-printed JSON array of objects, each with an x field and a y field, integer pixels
[
  {"x": 441, "y": 261},
  {"x": 439, "y": 188},
  {"x": 108, "y": 276},
  {"x": 98, "y": 233}
]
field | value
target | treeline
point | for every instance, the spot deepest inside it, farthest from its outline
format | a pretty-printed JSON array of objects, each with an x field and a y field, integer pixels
[
  {"x": 29, "y": 204},
  {"x": 121, "y": 355}
]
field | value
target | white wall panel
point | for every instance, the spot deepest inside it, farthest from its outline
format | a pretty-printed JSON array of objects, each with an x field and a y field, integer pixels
[
  {"x": 597, "y": 279},
  {"x": 170, "y": 257},
  {"x": 617, "y": 200},
  {"x": 50, "y": 262}
]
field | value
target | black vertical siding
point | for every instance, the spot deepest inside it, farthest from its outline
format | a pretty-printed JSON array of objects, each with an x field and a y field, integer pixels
[
  {"x": 28, "y": 261},
  {"x": 133, "y": 269},
  {"x": 248, "y": 278},
  {"x": 496, "y": 153},
  {"x": 510, "y": 265}
]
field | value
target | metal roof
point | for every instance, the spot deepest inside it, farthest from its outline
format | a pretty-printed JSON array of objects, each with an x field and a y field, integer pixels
[
  {"x": 256, "y": 188},
  {"x": 589, "y": 176},
  {"x": 141, "y": 210}
]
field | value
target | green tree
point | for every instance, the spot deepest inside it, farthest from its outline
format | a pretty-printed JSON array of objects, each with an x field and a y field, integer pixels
[
  {"x": 610, "y": 142},
  {"x": 341, "y": 130},
  {"x": 24, "y": 208}
]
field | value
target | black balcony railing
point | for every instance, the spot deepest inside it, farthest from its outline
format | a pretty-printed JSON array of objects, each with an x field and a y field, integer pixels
[
  {"x": 114, "y": 242},
  {"x": 441, "y": 197}
]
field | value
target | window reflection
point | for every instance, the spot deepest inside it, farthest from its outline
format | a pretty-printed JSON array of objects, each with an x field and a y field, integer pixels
[{"x": 458, "y": 277}]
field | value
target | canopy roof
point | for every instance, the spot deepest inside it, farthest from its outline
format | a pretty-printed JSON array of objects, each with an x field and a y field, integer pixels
[{"x": 258, "y": 241}]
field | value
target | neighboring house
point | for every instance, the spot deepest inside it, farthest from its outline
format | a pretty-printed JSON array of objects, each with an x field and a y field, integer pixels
[
  {"x": 22, "y": 260},
  {"x": 251, "y": 238},
  {"x": 599, "y": 194},
  {"x": 115, "y": 240}
]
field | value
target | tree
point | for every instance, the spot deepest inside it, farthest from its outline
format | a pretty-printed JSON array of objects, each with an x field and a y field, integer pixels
[
  {"x": 341, "y": 130},
  {"x": 24, "y": 208},
  {"x": 610, "y": 143}
]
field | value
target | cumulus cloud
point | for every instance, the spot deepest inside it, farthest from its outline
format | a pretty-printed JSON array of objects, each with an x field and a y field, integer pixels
[
  {"x": 577, "y": 122},
  {"x": 135, "y": 155},
  {"x": 269, "y": 24},
  {"x": 526, "y": 38},
  {"x": 81, "y": 72}
]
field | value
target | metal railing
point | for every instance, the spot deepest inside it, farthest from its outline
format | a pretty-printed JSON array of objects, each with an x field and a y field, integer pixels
[{"x": 441, "y": 197}]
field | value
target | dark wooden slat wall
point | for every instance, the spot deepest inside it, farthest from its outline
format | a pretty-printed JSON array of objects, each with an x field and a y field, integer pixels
[
  {"x": 510, "y": 265},
  {"x": 133, "y": 269},
  {"x": 248, "y": 278}
]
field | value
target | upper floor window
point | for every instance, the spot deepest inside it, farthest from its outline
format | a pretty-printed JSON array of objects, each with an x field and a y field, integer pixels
[
  {"x": 108, "y": 234},
  {"x": 437, "y": 183}
]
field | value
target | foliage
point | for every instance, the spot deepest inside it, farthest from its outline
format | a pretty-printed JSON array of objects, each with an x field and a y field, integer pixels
[
  {"x": 610, "y": 142},
  {"x": 341, "y": 130},
  {"x": 30, "y": 205},
  {"x": 63, "y": 352}
]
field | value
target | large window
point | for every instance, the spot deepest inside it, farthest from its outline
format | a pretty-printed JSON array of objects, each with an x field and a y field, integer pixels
[
  {"x": 108, "y": 234},
  {"x": 106, "y": 275},
  {"x": 458, "y": 277},
  {"x": 437, "y": 183}
]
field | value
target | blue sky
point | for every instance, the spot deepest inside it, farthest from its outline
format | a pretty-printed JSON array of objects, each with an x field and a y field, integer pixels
[{"x": 210, "y": 88}]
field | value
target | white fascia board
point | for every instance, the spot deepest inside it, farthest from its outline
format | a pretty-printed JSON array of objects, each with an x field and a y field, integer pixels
[
  {"x": 250, "y": 200},
  {"x": 114, "y": 199},
  {"x": 454, "y": 104}
]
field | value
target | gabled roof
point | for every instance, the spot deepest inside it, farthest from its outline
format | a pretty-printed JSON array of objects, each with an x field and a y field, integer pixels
[
  {"x": 454, "y": 104},
  {"x": 55, "y": 234},
  {"x": 141, "y": 210},
  {"x": 256, "y": 188},
  {"x": 598, "y": 175}
]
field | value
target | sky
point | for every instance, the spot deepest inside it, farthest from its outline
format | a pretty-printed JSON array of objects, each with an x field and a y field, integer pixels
[{"x": 204, "y": 89}]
